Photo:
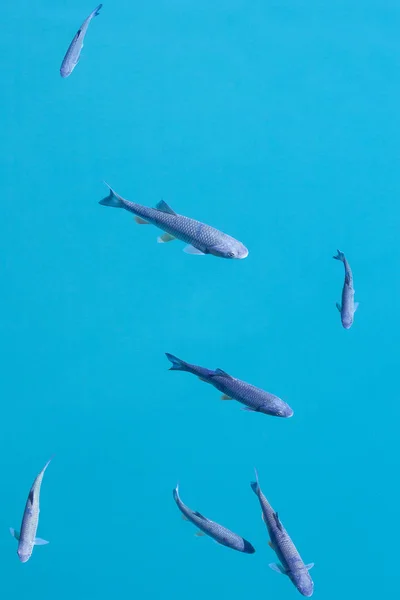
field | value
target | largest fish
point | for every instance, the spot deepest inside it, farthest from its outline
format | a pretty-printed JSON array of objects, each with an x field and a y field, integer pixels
[
  {"x": 202, "y": 239},
  {"x": 73, "y": 53},
  {"x": 292, "y": 564},
  {"x": 254, "y": 398},
  {"x": 220, "y": 534},
  {"x": 27, "y": 536}
]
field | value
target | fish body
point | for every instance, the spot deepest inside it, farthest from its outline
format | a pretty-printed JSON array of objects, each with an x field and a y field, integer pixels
[
  {"x": 348, "y": 306},
  {"x": 202, "y": 238},
  {"x": 220, "y": 534},
  {"x": 254, "y": 398},
  {"x": 292, "y": 564},
  {"x": 27, "y": 535},
  {"x": 73, "y": 53}
]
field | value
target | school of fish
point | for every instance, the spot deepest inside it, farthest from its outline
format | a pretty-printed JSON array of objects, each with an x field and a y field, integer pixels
[{"x": 201, "y": 239}]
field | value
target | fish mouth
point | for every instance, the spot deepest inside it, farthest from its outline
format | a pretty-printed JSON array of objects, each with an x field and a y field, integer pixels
[
  {"x": 248, "y": 548},
  {"x": 243, "y": 254},
  {"x": 23, "y": 557}
]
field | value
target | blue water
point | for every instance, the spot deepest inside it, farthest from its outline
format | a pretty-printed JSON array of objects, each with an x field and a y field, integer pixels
[{"x": 277, "y": 122}]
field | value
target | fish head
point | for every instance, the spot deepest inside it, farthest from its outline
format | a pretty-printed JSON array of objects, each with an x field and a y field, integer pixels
[
  {"x": 24, "y": 552},
  {"x": 303, "y": 582},
  {"x": 247, "y": 547},
  {"x": 230, "y": 248},
  {"x": 285, "y": 411},
  {"x": 278, "y": 408},
  {"x": 347, "y": 320}
]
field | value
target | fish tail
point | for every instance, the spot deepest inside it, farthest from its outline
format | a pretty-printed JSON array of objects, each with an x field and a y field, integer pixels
[
  {"x": 97, "y": 10},
  {"x": 175, "y": 493},
  {"x": 48, "y": 462},
  {"x": 177, "y": 363},
  {"x": 113, "y": 199},
  {"x": 339, "y": 256},
  {"x": 255, "y": 486}
]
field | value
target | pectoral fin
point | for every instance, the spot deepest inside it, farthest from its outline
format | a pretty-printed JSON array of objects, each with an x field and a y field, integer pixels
[
  {"x": 14, "y": 533},
  {"x": 192, "y": 250},
  {"x": 225, "y": 397},
  {"x": 199, "y": 534},
  {"x": 338, "y": 307},
  {"x": 140, "y": 221},
  {"x": 166, "y": 237},
  {"x": 40, "y": 542},
  {"x": 277, "y": 567},
  {"x": 356, "y": 305},
  {"x": 310, "y": 566},
  {"x": 270, "y": 544}
]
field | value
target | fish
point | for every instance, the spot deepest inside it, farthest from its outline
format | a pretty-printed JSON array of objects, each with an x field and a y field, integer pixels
[
  {"x": 73, "y": 53},
  {"x": 27, "y": 536},
  {"x": 254, "y": 398},
  {"x": 348, "y": 306},
  {"x": 217, "y": 532},
  {"x": 291, "y": 563},
  {"x": 201, "y": 238}
]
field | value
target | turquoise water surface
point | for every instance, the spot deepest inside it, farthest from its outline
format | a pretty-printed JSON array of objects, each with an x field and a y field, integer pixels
[{"x": 277, "y": 122}]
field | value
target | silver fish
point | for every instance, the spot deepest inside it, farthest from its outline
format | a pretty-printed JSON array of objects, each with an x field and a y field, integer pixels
[
  {"x": 220, "y": 534},
  {"x": 292, "y": 564},
  {"x": 27, "y": 536},
  {"x": 202, "y": 239},
  {"x": 348, "y": 306},
  {"x": 75, "y": 48}
]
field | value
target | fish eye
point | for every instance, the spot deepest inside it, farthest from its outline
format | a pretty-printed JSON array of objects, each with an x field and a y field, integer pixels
[{"x": 231, "y": 254}]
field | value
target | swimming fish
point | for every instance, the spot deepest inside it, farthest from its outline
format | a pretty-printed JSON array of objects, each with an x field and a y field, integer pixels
[
  {"x": 202, "y": 239},
  {"x": 292, "y": 564},
  {"x": 254, "y": 399},
  {"x": 75, "y": 48},
  {"x": 26, "y": 537},
  {"x": 220, "y": 534},
  {"x": 348, "y": 306}
]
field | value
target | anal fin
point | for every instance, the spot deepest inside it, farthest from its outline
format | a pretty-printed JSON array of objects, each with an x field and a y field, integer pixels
[{"x": 165, "y": 237}]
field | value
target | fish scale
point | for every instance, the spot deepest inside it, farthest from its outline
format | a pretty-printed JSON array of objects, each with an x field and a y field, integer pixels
[
  {"x": 220, "y": 534},
  {"x": 348, "y": 307},
  {"x": 202, "y": 238},
  {"x": 292, "y": 563},
  {"x": 30, "y": 520},
  {"x": 254, "y": 398},
  {"x": 73, "y": 53}
]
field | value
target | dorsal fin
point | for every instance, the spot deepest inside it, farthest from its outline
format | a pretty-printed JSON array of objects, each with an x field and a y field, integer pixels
[
  {"x": 163, "y": 207},
  {"x": 199, "y": 515},
  {"x": 222, "y": 373},
  {"x": 277, "y": 521}
]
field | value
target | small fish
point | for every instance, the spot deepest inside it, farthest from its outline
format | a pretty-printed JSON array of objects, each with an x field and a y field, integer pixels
[
  {"x": 27, "y": 536},
  {"x": 255, "y": 399},
  {"x": 74, "y": 51},
  {"x": 220, "y": 534},
  {"x": 292, "y": 564},
  {"x": 348, "y": 306},
  {"x": 202, "y": 239}
]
